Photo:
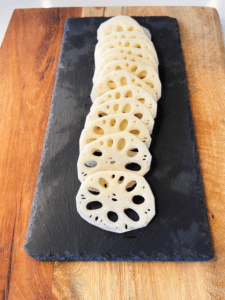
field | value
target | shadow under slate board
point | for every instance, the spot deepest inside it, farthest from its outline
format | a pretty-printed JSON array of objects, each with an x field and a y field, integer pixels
[{"x": 180, "y": 229}]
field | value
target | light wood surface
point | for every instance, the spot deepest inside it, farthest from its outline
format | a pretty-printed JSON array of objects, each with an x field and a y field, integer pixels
[{"x": 28, "y": 63}]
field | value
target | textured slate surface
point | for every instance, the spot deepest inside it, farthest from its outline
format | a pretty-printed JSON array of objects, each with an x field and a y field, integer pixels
[{"x": 180, "y": 229}]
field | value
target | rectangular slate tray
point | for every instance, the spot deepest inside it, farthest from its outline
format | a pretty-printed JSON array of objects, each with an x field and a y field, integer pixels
[{"x": 180, "y": 229}]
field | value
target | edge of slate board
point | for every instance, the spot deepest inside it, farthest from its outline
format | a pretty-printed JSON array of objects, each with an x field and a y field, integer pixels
[{"x": 83, "y": 256}]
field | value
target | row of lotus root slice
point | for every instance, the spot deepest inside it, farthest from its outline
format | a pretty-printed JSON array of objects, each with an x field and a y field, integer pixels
[
  {"x": 114, "y": 143},
  {"x": 130, "y": 52},
  {"x": 115, "y": 112}
]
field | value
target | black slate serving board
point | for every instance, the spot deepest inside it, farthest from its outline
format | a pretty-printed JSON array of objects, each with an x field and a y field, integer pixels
[{"x": 180, "y": 229}]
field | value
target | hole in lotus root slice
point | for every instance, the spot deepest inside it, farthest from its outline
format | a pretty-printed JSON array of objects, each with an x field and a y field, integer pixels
[
  {"x": 98, "y": 130},
  {"x": 121, "y": 144},
  {"x": 142, "y": 74},
  {"x": 103, "y": 182},
  {"x": 118, "y": 68},
  {"x": 123, "y": 81},
  {"x": 132, "y": 152},
  {"x": 96, "y": 152},
  {"x": 132, "y": 214},
  {"x": 150, "y": 84},
  {"x": 126, "y": 108},
  {"x": 133, "y": 69},
  {"x": 130, "y": 29},
  {"x": 129, "y": 94},
  {"x": 139, "y": 115},
  {"x": 123, "y": 125},
  {"x": 114, "y": 199},
  {"x": 133, "y": 167},
  {"x": 121, "y": 179},
  {"x": 118, "y": 95},
  {"x": 116, "y": 107},
  {"x": 90, "y": 164},
  {"x": 127, "y": 44},
  {"x": 119, "y": 28},
  {"x": 141, "y": 100},
  {"x": 102, "y": 114},
  {"x": 131, "y": 186},
  {"x": 88, "y": 141},
  {"x": 112, "y": 122},
  {"x": 93, "y": 205},
  {"x": 93, "y": 190},
  {"x": 111, "y": 85},
  {"x": 110, "y": 142},
  {"x": 137, "y": 46},
  {"x": 135, "y": 132},
  {"x": 112, "y": 216},
  {"x": 138, "y": 199}
]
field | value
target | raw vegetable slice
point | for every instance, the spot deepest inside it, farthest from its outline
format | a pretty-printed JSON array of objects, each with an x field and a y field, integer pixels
[
  {"x": 130, "y": 43},
  {"x": 129, "y": 91},
  {"x": 121, "y": 56},
  {"x": 117, "y": 79},
  {"x": 142, "y": 71},
  {"x": 142, "y": 53},
  {"x": 146, "y": 31},
  {"x": 126, "y": 105},
  {"x": 112, "y": 124},
  {"x": 120, "y": 151},
  {"x": 121, "y": 35},
  {"x": 118, "y": 24},
  {"x": 116, "y": 201}
]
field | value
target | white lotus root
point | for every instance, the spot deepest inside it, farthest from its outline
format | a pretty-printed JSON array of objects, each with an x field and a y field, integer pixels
[
  {"x": 121, "y": 56},
  {"x": 116, "y": 152},
  {"x": 114, "y": 144},
  {"x": 142, "y": 71},
  {"x": 117, "y": 79},
  {"x": 122, "y": 35},
  {"x": 131, "y": 92},
  {"x": 142, "y": 53},
  {"x": 118, "y": 24},
  {"x": 131, "y": 43},
  {"x": 127, "y": 105},
  {"x": 113, "y": 124},
  {"x": 116, "y": 201}
]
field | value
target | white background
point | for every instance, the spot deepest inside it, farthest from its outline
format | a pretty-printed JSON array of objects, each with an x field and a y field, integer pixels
[{"x": 7, "y": 6}]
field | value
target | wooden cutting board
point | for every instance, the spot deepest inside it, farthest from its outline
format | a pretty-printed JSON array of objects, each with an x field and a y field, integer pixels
[{"x": 28, "y": 63}]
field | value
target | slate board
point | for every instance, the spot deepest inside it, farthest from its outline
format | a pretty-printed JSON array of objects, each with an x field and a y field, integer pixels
[{"x": 180, "y": 229}]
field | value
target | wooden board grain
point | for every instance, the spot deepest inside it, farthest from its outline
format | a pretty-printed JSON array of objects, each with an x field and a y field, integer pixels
[
  {"x": 28, "y": 62},
  {"x": 204, "y": 58}
]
